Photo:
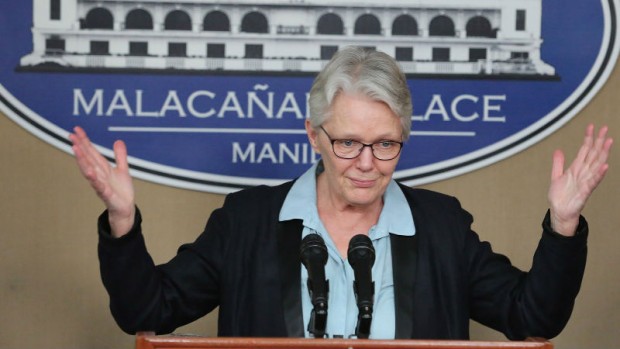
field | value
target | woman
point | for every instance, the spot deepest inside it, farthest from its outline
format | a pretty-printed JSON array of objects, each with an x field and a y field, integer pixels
[{"x": 432, "y": 274}]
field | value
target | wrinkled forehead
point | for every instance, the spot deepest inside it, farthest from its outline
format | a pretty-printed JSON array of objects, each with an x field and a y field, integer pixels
[{"x": 359, "y": 114}]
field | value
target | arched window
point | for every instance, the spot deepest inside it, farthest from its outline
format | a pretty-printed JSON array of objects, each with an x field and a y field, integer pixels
[
  {"x": 138, "y": 19},
  {"x": 254, "y": 22},
  {"x": 216, "y": 21},
  {"x": 178, "y": 20},
  {"x": 367, "y": 25},
  {"x": 405, "y": 25},
  {"x": 441, "y": 26},
  {"x": 330, "y": 24},
  {"x": 479, "y": 27},
  {"x": 99, "y": 18}
]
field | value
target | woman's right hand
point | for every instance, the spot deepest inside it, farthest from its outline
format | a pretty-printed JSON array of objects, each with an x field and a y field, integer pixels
[{"x": 113, "y": 185}]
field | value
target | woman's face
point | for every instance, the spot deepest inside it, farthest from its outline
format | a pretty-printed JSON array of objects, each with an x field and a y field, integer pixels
[{"x": 360, "y": 181}]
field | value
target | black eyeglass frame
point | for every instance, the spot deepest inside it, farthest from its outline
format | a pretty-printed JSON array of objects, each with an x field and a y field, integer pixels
[{"x": 364, "y": 145}]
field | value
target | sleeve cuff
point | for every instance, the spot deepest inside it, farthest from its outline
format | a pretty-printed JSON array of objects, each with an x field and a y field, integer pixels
[
  {"x": 580, "y": 234},
  {"x": 105, "y": 231}
]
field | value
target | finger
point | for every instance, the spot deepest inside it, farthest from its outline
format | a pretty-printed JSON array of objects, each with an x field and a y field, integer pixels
[
  {"x": 90, "y": 152},
  {"x": 604, "y": 154},
  {"x": 600, "y": 167},
  {"x": 557, "y": 169},
  {"x": 586, "y": 145},
  {"x": 94, "y": 167},
  {"x": 593, "y": 156},
  {"x": 93, "y": 173},
  {"x": 81, "y": 140},
  {"x": 120, "y": 154},
  {"x": 78, "y": 132},
  {"x": 601, "y": 148},
  {"x": 608, "y": 143},
  {"x": 80, "y": 150},
  {"x": 600, "y": 139},
  {"x": 602, "y": 133},
  {"x": 579, "y": 162},
  {"x": 602, "y": 172},
  {"x": 79, "y": 137},
  {"x": 82, "y": 161}
]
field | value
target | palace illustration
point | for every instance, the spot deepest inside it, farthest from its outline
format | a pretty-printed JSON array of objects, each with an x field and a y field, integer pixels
[{"x": 478, "y": 38}]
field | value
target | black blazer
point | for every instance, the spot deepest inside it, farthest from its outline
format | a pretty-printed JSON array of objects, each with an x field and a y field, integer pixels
[{"x": 247, "y": 263}]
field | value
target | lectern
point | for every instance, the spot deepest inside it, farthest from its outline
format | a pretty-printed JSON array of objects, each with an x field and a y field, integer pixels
[{"x": 147, "y": 340}]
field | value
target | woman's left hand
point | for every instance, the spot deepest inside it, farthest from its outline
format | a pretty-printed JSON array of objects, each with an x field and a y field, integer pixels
[{"x": 571, "y": 188}]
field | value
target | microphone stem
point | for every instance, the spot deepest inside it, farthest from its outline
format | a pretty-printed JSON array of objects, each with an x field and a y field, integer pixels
[{"x": 365, "y": 308}]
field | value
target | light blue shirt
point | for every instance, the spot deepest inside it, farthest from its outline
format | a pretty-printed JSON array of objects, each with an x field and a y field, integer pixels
[{"x": 395, "y": 218}]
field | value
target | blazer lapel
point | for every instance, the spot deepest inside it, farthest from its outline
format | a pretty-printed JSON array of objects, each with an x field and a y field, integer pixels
[
  {"x": 404, "y": 256},
  {"x": 289, "y": 241}
]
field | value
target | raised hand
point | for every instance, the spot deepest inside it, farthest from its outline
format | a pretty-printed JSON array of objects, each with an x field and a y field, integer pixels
[
  {"x": 113, "y": 185},
  {"x": 571, "y": 188}
]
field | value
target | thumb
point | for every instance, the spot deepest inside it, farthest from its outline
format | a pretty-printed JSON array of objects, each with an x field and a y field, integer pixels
[
  {"x": 557, "y": 170},
  {"x": 120, "y": 154}
]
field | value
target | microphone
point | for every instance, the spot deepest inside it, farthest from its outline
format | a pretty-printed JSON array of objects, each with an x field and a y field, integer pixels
[
  {"x": 314, "y": 257},
  {"x": 361, "y": 256}
]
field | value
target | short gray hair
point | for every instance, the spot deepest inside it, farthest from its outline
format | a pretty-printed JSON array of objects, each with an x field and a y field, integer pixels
[{"x": 364, "y": 71}]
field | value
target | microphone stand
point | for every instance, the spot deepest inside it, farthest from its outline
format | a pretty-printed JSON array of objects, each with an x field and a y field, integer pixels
[
  {"x": 318, "y": 317},
  {"x": 361, "y": 256},
  {"x": 364, "y": 319},
  {"x": 314, "y": 257}
]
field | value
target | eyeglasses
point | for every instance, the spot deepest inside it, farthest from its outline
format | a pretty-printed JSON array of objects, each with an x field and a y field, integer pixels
[{"x": 350, "y": 149}]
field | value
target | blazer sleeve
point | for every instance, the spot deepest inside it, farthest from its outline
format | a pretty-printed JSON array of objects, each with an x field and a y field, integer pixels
[
  {"x": 146, "y": 297},
  {"x": 219, "y": 268},
  {"x": 536, "y": 303}
]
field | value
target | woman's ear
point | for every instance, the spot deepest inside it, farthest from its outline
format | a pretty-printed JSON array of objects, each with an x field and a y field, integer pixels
[{"x": 312, "y": 136}]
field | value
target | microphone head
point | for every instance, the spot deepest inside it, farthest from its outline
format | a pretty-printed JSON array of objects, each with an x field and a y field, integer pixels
[
  {"x": 313, "y": 248},
  {"x": 361, "y": 249}
]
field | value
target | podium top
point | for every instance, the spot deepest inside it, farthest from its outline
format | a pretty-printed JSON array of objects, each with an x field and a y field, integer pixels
[{"x": 151, "y": 341}]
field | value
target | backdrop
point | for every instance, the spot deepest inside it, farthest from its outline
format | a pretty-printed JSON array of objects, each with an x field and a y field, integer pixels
[{"x": 51, "y": 294}]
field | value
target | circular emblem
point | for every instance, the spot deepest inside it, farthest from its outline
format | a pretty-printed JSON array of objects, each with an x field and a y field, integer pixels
[{"x": 213, "y": 96}]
